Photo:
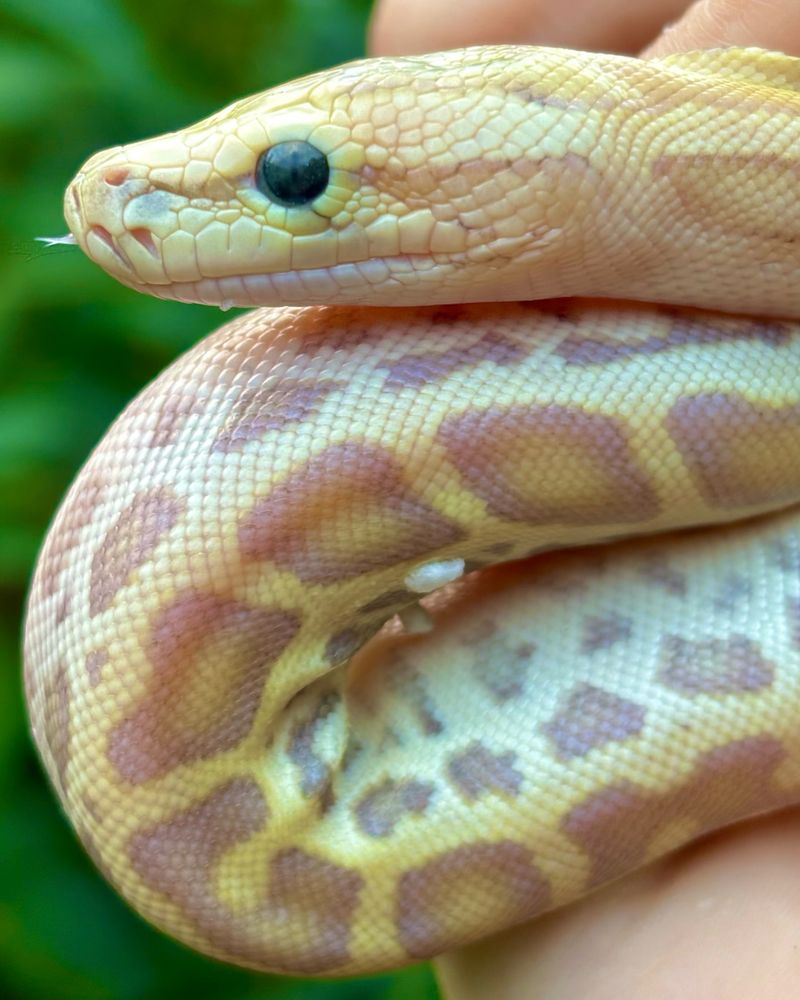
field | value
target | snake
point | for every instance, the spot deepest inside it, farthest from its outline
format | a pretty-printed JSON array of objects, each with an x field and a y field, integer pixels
[{"x": 461, "y": 576}]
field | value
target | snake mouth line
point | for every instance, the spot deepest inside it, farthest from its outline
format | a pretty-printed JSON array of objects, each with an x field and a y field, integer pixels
[{"x": 394, "y": 280}]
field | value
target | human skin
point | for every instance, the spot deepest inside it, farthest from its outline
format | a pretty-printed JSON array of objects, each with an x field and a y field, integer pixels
[{"x": 719, "y": 920}]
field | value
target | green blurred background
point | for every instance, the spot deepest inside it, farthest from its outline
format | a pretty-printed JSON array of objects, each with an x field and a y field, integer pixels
[{"x": 76, "y": 76}]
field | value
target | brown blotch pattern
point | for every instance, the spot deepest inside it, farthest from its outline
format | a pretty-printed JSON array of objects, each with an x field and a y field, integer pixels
[
  {"x": 605, "y": 632},
  {"x": 477, "y": 771},
  {"x": 416, "y": 370},
  {"x": 500, "y": 667},
  {"x": 347, "y": 511},
  {"x": 76, "y": 514},
  {"x": 403, "y": 682},
  {"x": 270, "y": 407},
  {"x": 319, "y": 899},
  {"x": 192, "y": 709},
  {"x": 95, "y": 661},
  {"x": 685, "y": 329},
  {"x": 549, "y": 465},
  {"x": 63, "y": 608},
  {"x": 733, "y": 589},
  {"x": 352, "y": 752},
  {"x": 53, "y": 725},
  {"x": 466, "y": 892},
  {"x": 380, "y": 810},
  {"x": 713, "y": 666},
  {"x": 590, "y": 719},
  {"x": 785, "y": 554},
  {"x": 657, "y": 570},
  {"x": 342, "y": 645},
  {"x": 336, "y": 329},
  {"x": 308, "y": 902},
  {"x": 178, "y": 858},
  {"x": 130, "y": 542},
  {"x": 315, "y": 774},
  {"x": 616, "y": 826},
  {"x": 739, "y": 453},
  {"x": 172, "y": 416}
]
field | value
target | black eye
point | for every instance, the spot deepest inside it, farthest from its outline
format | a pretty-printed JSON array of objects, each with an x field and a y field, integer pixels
[{"x": 292, "y": 173}]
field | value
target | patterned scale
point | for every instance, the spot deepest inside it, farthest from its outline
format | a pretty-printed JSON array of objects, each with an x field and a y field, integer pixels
[{"x": 271, "y": 741}]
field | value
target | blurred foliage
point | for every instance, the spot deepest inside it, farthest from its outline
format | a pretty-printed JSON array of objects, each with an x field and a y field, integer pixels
[{"x": 76, "y": 76}]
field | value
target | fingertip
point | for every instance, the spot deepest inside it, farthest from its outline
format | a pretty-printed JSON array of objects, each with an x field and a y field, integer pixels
[
  {"x": 403, "y": 27},
  {"x": 410, "y": 26},
  {"x": 769, "y": 24}
]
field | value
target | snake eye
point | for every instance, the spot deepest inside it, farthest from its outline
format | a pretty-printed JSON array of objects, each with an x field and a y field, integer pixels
[{"x": 292, "y": 173}]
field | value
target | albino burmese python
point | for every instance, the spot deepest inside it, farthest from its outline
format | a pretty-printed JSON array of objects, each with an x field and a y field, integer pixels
[{"x": 249, "y": 779}]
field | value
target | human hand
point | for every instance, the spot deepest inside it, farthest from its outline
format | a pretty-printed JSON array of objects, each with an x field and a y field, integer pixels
[{"x": 721, "y": 918}]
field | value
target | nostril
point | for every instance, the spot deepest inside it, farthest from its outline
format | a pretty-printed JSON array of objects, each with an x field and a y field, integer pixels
[
  {"x": 115, "y": 176},
  {"x": 76, "y": 200},
  {"x": 145, "y": 238}
]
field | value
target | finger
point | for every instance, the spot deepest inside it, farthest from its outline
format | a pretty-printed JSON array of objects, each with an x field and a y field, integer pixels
[
  {"x": 771, "y": 24},
  {"x": 406, "y": 26},
  {"x": 718, "y": 919}
]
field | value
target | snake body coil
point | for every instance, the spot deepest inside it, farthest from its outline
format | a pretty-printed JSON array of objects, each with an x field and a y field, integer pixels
[{"x": 249, "y": 777}]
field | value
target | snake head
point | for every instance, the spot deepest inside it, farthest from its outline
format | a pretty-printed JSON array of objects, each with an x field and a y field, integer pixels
[{"x": 440, "y": 178}]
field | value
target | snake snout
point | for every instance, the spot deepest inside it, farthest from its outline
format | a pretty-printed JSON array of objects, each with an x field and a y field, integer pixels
[{"x": 120, "y": 217}]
